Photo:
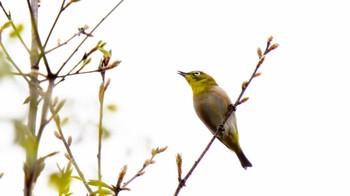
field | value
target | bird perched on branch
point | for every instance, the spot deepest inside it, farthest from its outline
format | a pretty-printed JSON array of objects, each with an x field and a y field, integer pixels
[{"x": 211, "y": 104}]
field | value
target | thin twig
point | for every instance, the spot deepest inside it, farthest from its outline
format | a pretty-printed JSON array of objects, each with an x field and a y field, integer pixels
[
  {"x": 72, "y": 74},
  {"x": 69, "y": 152},
  {"x": 61, "y": 44},
  {"x": 13, "y": 63},
  {"x": 54, "y": 23},
  {"x": 47, "y": 99},
  {"x": 147, "y": 162},
  {"x": 231, "y": 109},
  {"x": 8, "y": 16},
  {"x": 102, "y": 91},
  {"x": 182, "y": 182},
  {"x": 81, "y": 43}
]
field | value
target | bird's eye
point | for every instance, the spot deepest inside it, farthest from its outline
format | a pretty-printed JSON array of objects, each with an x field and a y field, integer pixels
[{"x": 196, "y": 73}]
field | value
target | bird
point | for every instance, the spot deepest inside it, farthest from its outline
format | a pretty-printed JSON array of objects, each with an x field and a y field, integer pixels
[{"x": 211, "y": 104}]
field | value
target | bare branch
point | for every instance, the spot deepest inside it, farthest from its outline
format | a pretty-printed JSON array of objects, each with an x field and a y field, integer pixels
[
  {"x": 82, "y": 42},
  {"x": 66, "y": 143},
  {"x": 147, "y": 162}
]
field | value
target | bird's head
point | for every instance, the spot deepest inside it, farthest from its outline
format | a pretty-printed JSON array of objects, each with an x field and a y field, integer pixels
[{"x": 198, "y": 80}]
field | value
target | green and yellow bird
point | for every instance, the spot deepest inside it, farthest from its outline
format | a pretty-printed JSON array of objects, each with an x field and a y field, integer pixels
[{"x": 211, "y": 104}]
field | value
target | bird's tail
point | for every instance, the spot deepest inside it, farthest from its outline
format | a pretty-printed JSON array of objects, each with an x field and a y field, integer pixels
[{"x": 243, "y": 159}]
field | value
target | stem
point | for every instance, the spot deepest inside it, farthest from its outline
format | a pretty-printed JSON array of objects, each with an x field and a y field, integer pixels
[
  {"x": 100, "y": 132},
  {"x": 30, "y": 166},
  {"x": 13, "y": 62},
  {"x": 36, "y": 43},
  {"x": 54, "y": 24},
  {"x": 71, "y": 157},
  {"x": 8, "y": 16},
  {"x": 61, "y": 44},
  {"x": 47, "y": 100}
]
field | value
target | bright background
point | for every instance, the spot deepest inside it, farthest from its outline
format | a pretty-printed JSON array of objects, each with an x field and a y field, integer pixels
[{"x": 294, "y": 128}]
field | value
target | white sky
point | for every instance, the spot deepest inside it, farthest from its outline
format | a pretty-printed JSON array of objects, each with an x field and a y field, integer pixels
[{"x": 294, "y": 129}]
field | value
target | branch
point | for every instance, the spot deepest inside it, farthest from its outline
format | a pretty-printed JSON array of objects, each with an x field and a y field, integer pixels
[
  {"x": 54, "y": 24},
  {"x": 103, "y": 87},
  {"x": 67, "y": 143},
  {"x": 62, "y": 44},
  {"x": 81, "y": 43},
  {"x": 8, "y": 57},
  {"x": 231, "y": 109},
  {"x": 8, "y": 16},
  {"x": 147, "y": 162},
  {"x": 36, "y": 42}
]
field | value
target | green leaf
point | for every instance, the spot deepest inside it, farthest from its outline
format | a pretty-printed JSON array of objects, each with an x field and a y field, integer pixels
[
  {"x": 64, "y": 121},
  {"x": 99, "y": 183},
  {"x": 105, "y": 52},
  {"x": 102, "y": 192},
  {"x": 102, "y": 44},
  {"x": 5, "y": 68},
  {"x": 24, "y": 137},
  {"x": 59, "y": 106},
  {"x": 112, "y": 107},
  {"x": 5, "y": 25},
  {"x": 61, "y": 179},
  {"x": 76, "y": 177},
  {"x": 17, "y": 31},
  {"x": 87, "y": 61},
  {"x": 106, "y": 133}
]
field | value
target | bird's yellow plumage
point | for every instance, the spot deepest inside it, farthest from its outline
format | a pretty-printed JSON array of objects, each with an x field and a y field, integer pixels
[{"x": 211, "y": 104}]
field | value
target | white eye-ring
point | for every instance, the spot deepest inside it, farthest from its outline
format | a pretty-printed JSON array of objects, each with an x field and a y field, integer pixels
[{"x": 196, "y": 73}]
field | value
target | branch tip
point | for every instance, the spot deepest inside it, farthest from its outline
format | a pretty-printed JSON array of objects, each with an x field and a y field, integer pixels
[
  {"x": 269, "y": 39},
  {"x": 257, "y": 74},
  {"x": 243, "y": 100}
]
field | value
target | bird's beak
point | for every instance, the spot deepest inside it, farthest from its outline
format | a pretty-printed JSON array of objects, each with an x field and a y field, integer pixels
[{"x": 182, "y": 73}]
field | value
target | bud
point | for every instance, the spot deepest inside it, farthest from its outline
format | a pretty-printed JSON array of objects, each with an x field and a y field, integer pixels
[
  {"x": 57, "y": 135},
  {"x": 54, "y": 101},
  {"x": 162, "y": 149},
  {"x": 69, "y": 140},
  {"x": 154, "y": 151},
  {"x": 147, "y": 162},
  {"x": 178, "y": 159},
  {"x": 123, "y": 171},
  {"x": 269, "y": 39},
  {"x": 259, "y": 52},
  {"x": 67, "y": 156},
  {"x": 113, "y": 65},
  {"x": 125, "y": 189},
  {"x": 140, "y": 173},
  {"x": 244, "y": 84},
  {"x": 261, "y": 60},
  {"x": 243, "y": 100},
  {"x": 273, "y": 46},
  {"x": 179, "y": 165},
  {"x": 257, "y": 74},
  {"x": 85, "y": 26},
  {"x": 107, "y": 84}
]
